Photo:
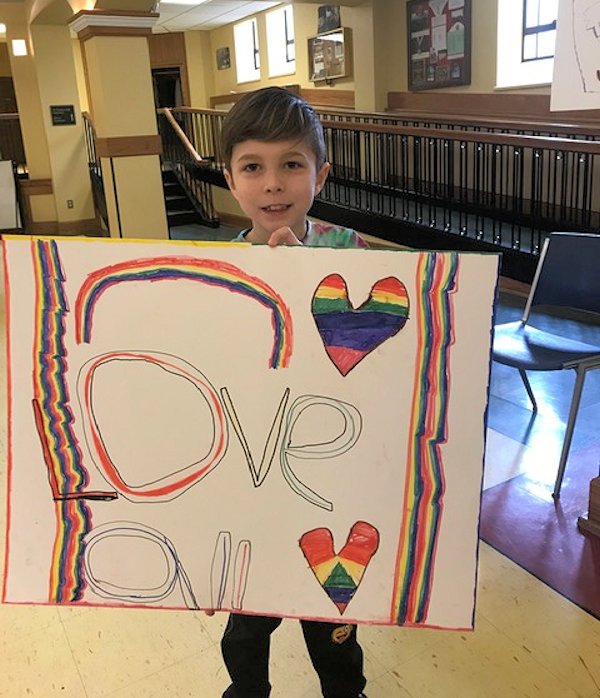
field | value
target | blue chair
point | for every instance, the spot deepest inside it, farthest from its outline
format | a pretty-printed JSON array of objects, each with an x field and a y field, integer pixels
[{"x": 567, "y": 276}]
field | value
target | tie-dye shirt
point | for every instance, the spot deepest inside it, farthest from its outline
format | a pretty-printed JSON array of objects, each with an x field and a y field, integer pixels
[{"x": 323, "y": 235}]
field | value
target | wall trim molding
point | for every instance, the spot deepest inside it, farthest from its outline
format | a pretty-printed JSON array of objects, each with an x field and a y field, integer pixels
[
  {"x": 128, "y": 146},
  {"x": 87, "y": 24},
  {"x": 87, "y": 227},
  {"x": 36, "y": 187}
]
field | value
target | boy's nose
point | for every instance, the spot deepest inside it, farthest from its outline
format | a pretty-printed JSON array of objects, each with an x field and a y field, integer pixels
[{"x": 273, "y": 182}]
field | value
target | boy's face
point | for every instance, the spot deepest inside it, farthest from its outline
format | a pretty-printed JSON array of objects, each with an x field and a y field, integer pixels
[{"x": 275, "y": 184}]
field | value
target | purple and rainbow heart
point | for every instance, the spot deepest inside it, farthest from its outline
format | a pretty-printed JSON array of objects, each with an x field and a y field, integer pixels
[{"x": 348, "y": 333}]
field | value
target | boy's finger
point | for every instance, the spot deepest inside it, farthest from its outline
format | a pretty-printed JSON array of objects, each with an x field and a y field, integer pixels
[
  {"x": 209, "y": 612},
  {"x": 283, "y": 236}
]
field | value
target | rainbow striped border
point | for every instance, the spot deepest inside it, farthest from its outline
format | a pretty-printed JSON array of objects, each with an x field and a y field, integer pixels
[
  {"x": 54, "y": 420},
  {"x": 425, "y": 483}
]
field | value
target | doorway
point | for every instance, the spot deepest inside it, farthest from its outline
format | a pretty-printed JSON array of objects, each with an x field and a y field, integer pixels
[{"x": 166, "y": 83}]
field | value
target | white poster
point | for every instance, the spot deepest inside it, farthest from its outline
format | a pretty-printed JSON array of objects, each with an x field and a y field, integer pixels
[
  {"x": 290, "y": 431},
  {"x": 576, "y": 81}
]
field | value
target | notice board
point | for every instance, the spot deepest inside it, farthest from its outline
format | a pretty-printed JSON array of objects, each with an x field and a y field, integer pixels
[{"x": 439, "y": 43}]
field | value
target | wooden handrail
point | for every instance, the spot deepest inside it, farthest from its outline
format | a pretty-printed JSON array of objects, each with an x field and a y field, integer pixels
[
  {"x": 548, "y": 143},
  {"x": 560, "y": 144},
  {"x": 182, "y": 137}
]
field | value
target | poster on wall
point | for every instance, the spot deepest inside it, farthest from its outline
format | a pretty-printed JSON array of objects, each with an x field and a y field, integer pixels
[
  {"x": 439, "y": 43},
  {"x": 576, "y": 80},
  {"x": 293, "y": 432}
]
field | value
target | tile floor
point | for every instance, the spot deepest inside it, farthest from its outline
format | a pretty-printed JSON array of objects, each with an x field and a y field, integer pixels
[{"x": 528, "y": 640}]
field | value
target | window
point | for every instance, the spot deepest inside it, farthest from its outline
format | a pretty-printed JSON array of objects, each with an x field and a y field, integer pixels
[
  {"x": 247, "y": 57},
  {"x": 539, "y": 29},
  {"x": 525, "y": 55},
  {"x": 280, "y": 41}
]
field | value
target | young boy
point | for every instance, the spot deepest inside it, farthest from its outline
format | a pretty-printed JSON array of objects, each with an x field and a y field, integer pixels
[{"x": 275, "y": 165}]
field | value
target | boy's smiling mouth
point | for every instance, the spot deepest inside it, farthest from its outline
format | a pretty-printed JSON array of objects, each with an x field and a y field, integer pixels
[{"x": 276, "y": 208}]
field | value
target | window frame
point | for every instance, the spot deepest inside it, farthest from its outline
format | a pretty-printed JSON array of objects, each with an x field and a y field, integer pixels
[
  {"x": 283, "y": 49},
  {"x": 534, "y": 30},
  {"x": 511, "y": 71},
  {"x": 253, "y": 49}
]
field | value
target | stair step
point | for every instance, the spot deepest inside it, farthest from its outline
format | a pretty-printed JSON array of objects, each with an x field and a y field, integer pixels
[
  {"x": 182, "y": 218},
  {"x": 178, "y": 203}
]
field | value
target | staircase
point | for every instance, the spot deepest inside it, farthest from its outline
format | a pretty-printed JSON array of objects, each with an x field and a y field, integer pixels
[{"x": 180, "y": 209}]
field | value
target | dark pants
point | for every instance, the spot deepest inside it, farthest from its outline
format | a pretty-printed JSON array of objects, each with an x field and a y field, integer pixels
[{"x": 333, "y": 650}]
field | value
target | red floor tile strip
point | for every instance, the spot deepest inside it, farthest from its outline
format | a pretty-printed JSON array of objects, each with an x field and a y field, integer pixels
[{"x": 520, "y": 519}]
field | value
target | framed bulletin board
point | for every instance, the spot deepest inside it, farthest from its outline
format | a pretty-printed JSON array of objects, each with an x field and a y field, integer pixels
[
  {"x": 330, "y": 55},
  {"x": 439, "y": 43}
]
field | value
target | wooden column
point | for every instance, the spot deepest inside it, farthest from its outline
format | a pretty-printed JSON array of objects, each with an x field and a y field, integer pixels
[{"x": 119, "y": 78}]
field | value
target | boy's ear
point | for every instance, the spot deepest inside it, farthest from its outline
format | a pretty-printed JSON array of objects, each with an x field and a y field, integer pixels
[
  {"x": 322, "y": 177},
  {"x": 228, "y": 178}
]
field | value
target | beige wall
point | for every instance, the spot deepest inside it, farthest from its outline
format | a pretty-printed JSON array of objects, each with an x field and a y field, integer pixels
[
  {"x": 200, "y": 59},
  {"x": 392, "y": 60},
  {"x": 380, "y": 52},
  {"x": 80, "y": 75},
  {"x": 305, "y": 25},
  {"x": 57, "y": 85}
]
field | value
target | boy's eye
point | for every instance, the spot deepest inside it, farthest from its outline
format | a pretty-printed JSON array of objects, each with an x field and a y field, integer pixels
[
  {"x": 293, "y": 164},
  {"x": 250, "y": 167}
]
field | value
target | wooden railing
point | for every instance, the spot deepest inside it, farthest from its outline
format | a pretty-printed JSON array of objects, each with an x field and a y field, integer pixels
[
  {"x": 443, "y": 187},
  {"x": 488, "y": 189},
  {"x": 95, "y": 168},
  {"x": 181, "y": 140}
]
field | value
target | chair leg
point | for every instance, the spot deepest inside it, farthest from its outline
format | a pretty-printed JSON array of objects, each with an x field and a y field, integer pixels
[
  {"x": 577, "y": 390},
  {"x": 527, "y": 385}
]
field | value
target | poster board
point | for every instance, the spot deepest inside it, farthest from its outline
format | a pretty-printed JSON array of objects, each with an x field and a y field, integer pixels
[
  {"x": 439, "y": 43},
  {"x": 330, "y": 55},
  {"x": 576, "y": 80},
  {"x": 9, "y": 207},
  {"x": 294, "y": 432}
]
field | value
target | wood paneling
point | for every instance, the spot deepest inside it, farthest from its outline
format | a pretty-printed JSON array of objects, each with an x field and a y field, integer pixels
[
  {"x": 325, "y": 97},
  {"x": 493, "y": 105},
  {"x": 233, "y": 97},
  {"x": 36, "y": 187},
  {"x": 167, "y": 50},
  {"x": 126, "y": 146}
]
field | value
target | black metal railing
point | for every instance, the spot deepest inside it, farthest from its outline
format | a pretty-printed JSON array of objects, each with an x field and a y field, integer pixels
[
  {"x": 524, "y": 127},
  {"x": 94, "y": 168},
  {"x": 503, "y": 189},
  {"x": 469, "y": 188},
  {"x": 189, "y": 150}
]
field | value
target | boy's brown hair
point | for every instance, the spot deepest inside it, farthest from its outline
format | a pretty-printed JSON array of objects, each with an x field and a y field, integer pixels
[{"x": 272, "y": 114}]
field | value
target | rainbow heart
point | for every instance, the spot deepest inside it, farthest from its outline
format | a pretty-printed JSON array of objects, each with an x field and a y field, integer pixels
[
  {"x": 348, "y": 333},
  {"x": 340, "y": 574}
]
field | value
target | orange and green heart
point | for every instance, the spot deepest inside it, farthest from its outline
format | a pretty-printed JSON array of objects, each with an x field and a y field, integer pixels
[
  {"x": 340, "y": 573},
  {"x": 348, "y": 333}
]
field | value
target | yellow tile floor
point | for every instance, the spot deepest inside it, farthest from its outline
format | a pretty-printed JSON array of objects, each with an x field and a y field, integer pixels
[{"x": 528, "y": 640}]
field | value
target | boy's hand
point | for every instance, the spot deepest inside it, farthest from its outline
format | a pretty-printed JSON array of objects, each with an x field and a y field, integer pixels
[{"x": 283, "y": 236}]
